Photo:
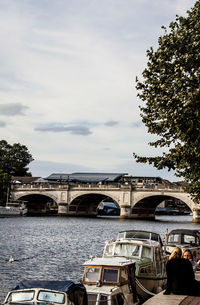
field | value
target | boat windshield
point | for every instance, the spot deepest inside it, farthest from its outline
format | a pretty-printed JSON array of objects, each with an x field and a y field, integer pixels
[
  {"x": 110, "y": 275},
  {"x": 50, "y": 296},
  {"x": 20, "y": 296},
  {"x": 127, "y": 249},
  {"x": 188, "y": 239},
  {"x": 173, "y": 238},
  {"x": 92, "y": 274},
  {"x": 181, "y": 239}
]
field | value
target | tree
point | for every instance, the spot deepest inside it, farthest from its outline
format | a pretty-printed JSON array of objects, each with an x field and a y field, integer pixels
[
  {"x": 171, "y": 91},
  {"x": 13, "y": 162}
]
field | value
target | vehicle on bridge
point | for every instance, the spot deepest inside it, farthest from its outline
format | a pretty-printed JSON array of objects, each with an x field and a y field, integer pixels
[
  {"x": 146, "y": 250},
  {"x": 184, "y": 239},
  {"x": 47, "y": 292},
  {"x": 110, "y": 281}
]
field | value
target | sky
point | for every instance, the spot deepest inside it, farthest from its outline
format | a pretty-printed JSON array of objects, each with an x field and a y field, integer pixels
[{"x": 67, "y": 81}]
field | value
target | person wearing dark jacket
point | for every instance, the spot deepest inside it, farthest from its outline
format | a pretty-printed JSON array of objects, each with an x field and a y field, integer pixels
[{"x": 180, "y": 275}]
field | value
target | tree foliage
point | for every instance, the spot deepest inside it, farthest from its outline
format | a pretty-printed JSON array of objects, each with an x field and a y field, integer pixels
[
  {"x": 13, "y": 162},
  {"x": 171, "y": 91}
]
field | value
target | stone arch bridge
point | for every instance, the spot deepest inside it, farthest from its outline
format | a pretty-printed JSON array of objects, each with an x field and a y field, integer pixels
[{"x": 135, "y": 201}]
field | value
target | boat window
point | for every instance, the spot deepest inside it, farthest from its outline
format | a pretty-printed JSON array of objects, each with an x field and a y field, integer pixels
[
  {"x": 146, "y": 252},
  {"x": 20, "y": 296},
  {"x": 49, "y": 296},
  {"x": 122, "y": 249},
  {"x": 110, "y": 275},
  {"x": 103, "y": 299},
  {"x": 121, "y": 235},
  {"x": 188, "y": 239},
  {"x": 92, "y": 298},
  {"x": 92, "y": 274},
  {"x": 173, "y": 238}
]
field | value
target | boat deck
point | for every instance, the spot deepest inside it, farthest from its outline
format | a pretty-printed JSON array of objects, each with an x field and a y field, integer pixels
[{"x": 174, "y": 299}]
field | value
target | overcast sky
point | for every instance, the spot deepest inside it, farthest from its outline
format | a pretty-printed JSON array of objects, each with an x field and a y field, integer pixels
[{"x": 67, "y": 81}]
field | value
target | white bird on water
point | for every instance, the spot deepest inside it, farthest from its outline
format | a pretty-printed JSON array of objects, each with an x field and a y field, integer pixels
[{"x": 11, "y": 259}]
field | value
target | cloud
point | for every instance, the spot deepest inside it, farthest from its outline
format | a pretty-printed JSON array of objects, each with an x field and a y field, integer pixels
[
  {"x": 2, "y": 124},
  {"x": 77, "y": 129},
  {"x": 111, "y": 123},
  {"x": 76, "y": 73},
  {"x": 12, "y": 109},
  {"x": 136, "y": 124}
]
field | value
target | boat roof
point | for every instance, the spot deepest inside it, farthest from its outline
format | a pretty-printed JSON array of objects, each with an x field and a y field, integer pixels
[
  {"x": 141, "y": 235},
  {"x": 184, "y": 231},
  {"x": 148, "y": 243},
  {"x": 63, "y": 286},
  {"x": 109, "y": 261}
]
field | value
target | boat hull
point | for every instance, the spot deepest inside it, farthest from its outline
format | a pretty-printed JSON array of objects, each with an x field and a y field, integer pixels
[
  {"x": 12, "y": 212},
  {"x": 146, "y": 288}
]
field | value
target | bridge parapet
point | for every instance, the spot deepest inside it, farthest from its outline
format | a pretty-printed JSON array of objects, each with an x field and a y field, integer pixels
[
  {"x": 135, "y": 187},
  {"x": 71, "y": 186}
]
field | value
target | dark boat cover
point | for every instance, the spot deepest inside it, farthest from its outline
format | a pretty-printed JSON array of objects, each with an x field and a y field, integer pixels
[
  {"x": 77, "y": 292},
  {"x": 64, "y": 286}
]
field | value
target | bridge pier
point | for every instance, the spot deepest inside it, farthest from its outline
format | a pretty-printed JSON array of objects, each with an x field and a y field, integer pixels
[
  {"x": 63, "y": 209},
  {"x": 196, "y": 215},
  {"x": 143, "y": 213},
  {"x": 125, "y": 211},
  {"x": 136, "y": 213}
]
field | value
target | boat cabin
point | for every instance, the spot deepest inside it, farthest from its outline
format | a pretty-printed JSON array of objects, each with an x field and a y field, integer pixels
[
  {"x": 140, "y": 235},
  {"x": 110, "y": 281},
  {"x": 184, "y": 239},
  {"x": 145, "y": 249},
  {"x": 48, "y": 292}
]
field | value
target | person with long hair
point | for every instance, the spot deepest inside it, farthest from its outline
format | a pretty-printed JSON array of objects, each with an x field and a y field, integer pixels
[
  {"x": 180, "y": 275},
  {"x": 187, "y": 254}
]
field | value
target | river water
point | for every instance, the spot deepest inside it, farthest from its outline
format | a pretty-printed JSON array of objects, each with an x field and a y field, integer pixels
[{"x": 55, "y": 248}]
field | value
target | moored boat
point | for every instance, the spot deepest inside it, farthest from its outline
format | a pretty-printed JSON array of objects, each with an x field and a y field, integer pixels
[
  {"x": 184, "y": 239},
  {"x": 110, "y": 281},
  {"x": 47, "y": 292},
  {"x": 14, "y": 208},
  {"x": 146, "y": 250}
]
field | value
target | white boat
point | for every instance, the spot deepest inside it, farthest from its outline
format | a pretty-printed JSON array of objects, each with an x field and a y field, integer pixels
[
  {"x": 47, "y": 292},
  {"x": 14, "y": 208},
  {"x": 184, "y": 239},
  {"x": 146, "y": 250},
  {"x": 110, "y": 281}
]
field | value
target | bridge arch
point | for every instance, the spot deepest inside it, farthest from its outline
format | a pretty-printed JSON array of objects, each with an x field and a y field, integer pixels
[
  {"x": 86, "y": 204},
  {"x": 38, "y": 203},
  {"x": 147, "y": 203}
]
